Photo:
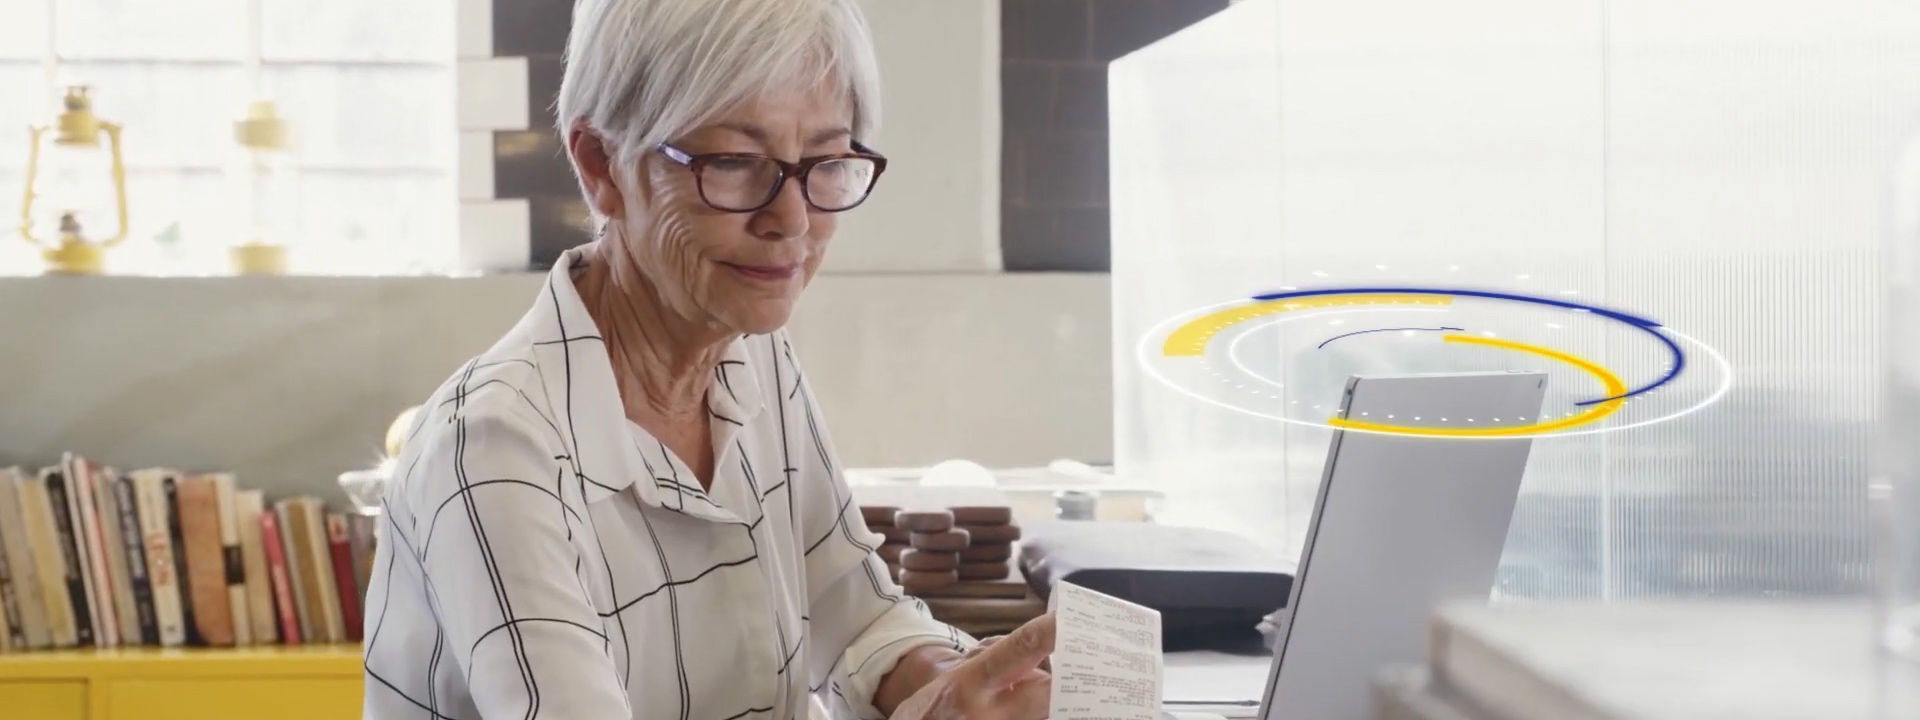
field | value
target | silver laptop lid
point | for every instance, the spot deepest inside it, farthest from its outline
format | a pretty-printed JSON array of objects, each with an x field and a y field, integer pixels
[{"x": 1401, "y": 523}]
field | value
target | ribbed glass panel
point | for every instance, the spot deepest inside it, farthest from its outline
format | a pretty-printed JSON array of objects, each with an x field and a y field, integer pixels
[{"x": 1719, "y": 166}]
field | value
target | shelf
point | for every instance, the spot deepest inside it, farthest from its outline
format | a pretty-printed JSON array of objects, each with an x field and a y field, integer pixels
[{"x": 317, "y": 682}]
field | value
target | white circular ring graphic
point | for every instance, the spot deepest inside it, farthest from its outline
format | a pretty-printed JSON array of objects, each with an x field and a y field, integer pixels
[{"x": 1144, "y": 356}]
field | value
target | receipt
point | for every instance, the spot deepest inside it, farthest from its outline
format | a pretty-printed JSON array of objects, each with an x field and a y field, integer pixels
[{"x": 1106, "y": 657}]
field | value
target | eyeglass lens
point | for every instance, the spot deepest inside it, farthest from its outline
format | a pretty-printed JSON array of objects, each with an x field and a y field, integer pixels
[{"x": 745, "y": 183}]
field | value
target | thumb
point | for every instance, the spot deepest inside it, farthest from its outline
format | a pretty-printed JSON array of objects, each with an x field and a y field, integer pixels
[{"x": 1010, "y": 658}]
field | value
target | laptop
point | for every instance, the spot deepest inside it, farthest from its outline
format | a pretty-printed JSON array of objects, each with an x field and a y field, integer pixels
[{"x": 1401, "y": 525}]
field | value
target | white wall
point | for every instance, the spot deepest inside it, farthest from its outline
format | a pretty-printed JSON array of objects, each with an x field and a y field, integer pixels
[{"x": 289, "y": 382}]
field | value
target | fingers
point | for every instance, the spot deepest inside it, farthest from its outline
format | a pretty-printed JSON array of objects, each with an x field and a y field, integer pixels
[
  {"x": 1040, "y": 673},
  {"x": 1027, "y": 700},
  {"x": 1002, "y": 662},
  {"x": 1031, "y": 676},
  {"x": 982, "y": 646}
]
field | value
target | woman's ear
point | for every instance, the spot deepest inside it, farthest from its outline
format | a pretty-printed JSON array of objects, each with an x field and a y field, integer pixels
[{"x": 594, "y": 160}]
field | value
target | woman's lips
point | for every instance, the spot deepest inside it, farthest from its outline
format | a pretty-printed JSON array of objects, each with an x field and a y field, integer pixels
[{"x": 765, "y": 272}]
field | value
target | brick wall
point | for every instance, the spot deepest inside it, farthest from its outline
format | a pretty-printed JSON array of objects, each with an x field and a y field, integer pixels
[
  {"x": 1053, "y": 171},
  {"x": 519, "y": 204},
  {"x": 532, "y": 164}
]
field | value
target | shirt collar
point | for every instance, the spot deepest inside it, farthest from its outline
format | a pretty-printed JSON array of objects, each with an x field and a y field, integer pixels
[
  {"x": 578, "y": 376},
  {"x": 735, "y": 394}
]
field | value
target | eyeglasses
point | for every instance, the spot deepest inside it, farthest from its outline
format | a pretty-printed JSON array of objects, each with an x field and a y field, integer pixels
[{"x": 748, "y": 182}]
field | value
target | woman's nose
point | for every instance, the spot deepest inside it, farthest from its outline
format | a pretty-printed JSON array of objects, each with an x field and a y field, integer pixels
[{"x": 786, "y": 217}]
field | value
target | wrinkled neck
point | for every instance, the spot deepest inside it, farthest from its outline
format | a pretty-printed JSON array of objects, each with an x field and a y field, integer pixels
[{"x": 662, "y": 361}]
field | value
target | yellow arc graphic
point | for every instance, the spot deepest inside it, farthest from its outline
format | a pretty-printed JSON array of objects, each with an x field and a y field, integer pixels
[
  {"x": 1593, "y": 414},
  {"x": 1190, "y": 340}
]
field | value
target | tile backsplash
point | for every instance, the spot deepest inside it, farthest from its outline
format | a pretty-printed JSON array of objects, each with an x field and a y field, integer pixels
[{"x": 1053, "y": 85}]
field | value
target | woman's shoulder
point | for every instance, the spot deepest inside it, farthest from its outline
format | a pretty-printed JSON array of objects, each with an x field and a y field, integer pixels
[
  {"x": 496, "y": 379},
  {"x": 496, "y": 396},
  {"x": 473, "y": 441}
]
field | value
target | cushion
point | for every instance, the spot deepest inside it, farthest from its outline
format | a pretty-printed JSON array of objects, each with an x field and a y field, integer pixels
[{"x": 1210, "y": 587}]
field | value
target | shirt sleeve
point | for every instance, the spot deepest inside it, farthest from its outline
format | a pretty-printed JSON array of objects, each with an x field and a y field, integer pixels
[
  {"x": 861, "y": 621},
  {"x": 487, "y": 505}
]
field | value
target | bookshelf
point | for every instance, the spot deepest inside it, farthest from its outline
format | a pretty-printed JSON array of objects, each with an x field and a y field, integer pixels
[
  {"x": 163, "y": 595},
  {"x": 286, "y": 682}
]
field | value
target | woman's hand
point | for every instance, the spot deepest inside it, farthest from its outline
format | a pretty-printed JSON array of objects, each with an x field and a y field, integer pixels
[
  {"x": 1001, "y": 679},
  {"x": 1046, "y": 664}
]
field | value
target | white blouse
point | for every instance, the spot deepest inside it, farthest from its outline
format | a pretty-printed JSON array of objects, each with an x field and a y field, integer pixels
[{"x": 544, "y": 557}]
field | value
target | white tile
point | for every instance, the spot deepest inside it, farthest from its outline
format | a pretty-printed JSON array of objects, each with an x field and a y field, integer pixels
[
  {"x": 401, "y": 31},
  {"x": 493, "y": 94},
  {"x": 495, "y": 235},
  {"x": 335, "y": 105},
  {"x": 476, "y": 165},
  {"x": 473, "y": 27},
  {"x": 178, "y": 30}
]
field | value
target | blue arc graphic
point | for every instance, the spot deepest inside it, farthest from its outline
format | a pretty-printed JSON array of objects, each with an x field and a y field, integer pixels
[
  {"x": 1645, "y": 325},
  {"x": 1363, "y": 332}
]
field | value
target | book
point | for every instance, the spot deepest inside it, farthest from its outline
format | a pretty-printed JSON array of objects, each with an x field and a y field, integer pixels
[
  {"x": 12, "y": 634},
  {"x": 263, "y": 618},
  {"x": 236, "y": 575},
  {"x": 325, "y": 579},
  {"x": 114, "y": 549},
  {"x": 315, "y": 579},
  {"x": 284, "y": 597},
  {"x": 91, "y": 556},
  {"x": 290, "y": 553},
  {"x": 1735, "y": 657},
  {"x": 44, "y": 542},
  {"x": 199, "y": 506},
  {"x": 72, "y": 554},
  {"x": 146, "y": 626},
  {"x": 88, "y": 541},
  {"x": 163, "y": 574},
  {"x": 30, "y": 600},
  {"x": 182, "y": 573},
  {"x": 341, "y": 550}
]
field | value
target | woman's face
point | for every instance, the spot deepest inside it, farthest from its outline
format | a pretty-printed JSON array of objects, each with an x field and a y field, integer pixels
[{"x": 741, "y": 270}]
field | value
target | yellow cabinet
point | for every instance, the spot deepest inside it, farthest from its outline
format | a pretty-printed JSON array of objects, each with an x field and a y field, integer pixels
[
  {"x": 43, "y": 699},
  {"x": 286, "y": 683},
  {"x": 234, "y": 699}
]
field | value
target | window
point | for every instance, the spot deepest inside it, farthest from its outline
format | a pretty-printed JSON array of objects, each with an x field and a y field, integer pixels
[
  {"x": 366, "y": 85},
  {"x": 1722, "y": 167}
]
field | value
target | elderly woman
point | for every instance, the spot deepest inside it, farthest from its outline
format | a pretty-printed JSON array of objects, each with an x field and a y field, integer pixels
[{"x": 630, "y": 506}]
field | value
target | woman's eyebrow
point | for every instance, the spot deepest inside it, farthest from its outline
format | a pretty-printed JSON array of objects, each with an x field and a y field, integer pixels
[
  {"x": 753, "y": 132},
  {"x": 760, "y": 135},
  {"x": 829, "y": 135}
]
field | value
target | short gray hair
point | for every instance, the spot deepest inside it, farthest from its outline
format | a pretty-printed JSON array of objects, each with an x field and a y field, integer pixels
[{"x": 641, "y": 72}]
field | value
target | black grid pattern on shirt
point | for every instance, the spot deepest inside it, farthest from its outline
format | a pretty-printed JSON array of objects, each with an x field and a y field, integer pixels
[{"x": 510, "y": 627}]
